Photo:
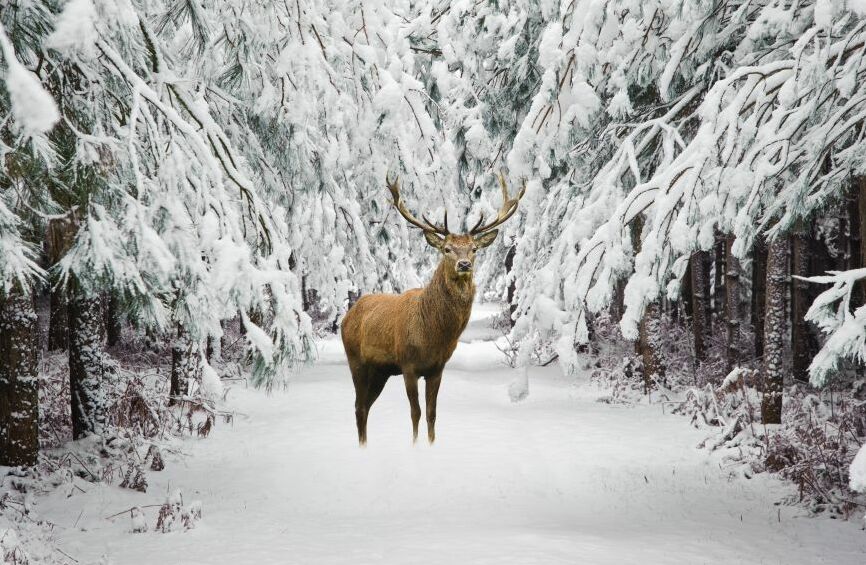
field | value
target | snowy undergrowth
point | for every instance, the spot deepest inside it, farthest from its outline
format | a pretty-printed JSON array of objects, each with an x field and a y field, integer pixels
[
  {"x": 549, "y": 479},
  {"x": 142, "y": 433},
  {"x": 813, "y": 447}
]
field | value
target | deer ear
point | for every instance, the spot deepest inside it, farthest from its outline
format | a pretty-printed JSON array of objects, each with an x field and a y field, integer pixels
[
  {"x": 434, "y": 240},
  {"x": 486, "y": 239}
]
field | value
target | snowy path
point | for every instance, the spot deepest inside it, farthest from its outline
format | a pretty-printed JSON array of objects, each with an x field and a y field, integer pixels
[{"x": 558, "y": 478}]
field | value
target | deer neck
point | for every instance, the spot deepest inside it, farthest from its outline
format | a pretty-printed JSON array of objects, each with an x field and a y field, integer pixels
[{"x": 447, "y": 301}]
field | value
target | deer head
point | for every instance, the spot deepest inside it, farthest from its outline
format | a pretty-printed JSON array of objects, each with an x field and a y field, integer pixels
[{"x": 459, "y": 250}]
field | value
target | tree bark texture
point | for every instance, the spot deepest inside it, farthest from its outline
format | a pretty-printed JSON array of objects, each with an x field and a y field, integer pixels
[
  {"x": 650, "y": 345},
  {"x": 19, "y": 379},
  {"x": 800, "y": 339},
  {"x": 719, "y": 279},
  {"x": 759, "y": 292},
  {"x": 58, "y": 328},
  {"x": 512, "y": 284},
  {"x": 59, "y": 237},
  {"x": 775, "y": 331},
  {"x": 732, "y": 305},
  {"x": 113, "y": 322},
  {"x": 86, "y": 363},
  {"x": 700, "y": 285},
  {"x": 185, "y": 364},
  {"x": 858, "y": 243}
]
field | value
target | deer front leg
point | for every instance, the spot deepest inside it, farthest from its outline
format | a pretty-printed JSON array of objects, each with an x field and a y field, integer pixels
[
  {"x": 431, "y": 390},
  {"x": 411, "y": 380}
]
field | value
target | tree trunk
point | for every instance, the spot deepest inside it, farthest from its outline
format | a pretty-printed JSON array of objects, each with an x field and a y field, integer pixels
[
  {"x": 185, "y": 364},
  {"x": 650, "y": 345},
  {"x": 86, "y": 363},
  {"x": 719, "y": 279},
  {"x": 59, "y": 236},
  {"x": 617, "y": 305},
  {"x": 700, "y": 302},
  {"x": 775, "y": 331},
  {"x": 58, "y": 328},
  {"x": 759, "y": 292},
  {"x": 113, "y": 324},
  {"x": 214, "y": 347},
  {"x": 223, "y": 339},
  {"x": 305, "y": 295},
  {"x": 19, "y": 379},
  {"x": 858, "y": 243},
  {"x": 512, "y": 284},
  {"x": 800, "y": 342},
  {"x": 732, "y": 305},
  {"x": 686, "y": 293}
]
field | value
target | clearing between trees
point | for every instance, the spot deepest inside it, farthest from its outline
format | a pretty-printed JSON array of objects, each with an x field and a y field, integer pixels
[{"x": 556, "y": 478}]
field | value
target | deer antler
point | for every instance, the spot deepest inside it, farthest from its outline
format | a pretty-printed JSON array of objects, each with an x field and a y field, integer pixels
[
  {"x": 426, "y": 224},
  {"x": 509, "y": 207}
]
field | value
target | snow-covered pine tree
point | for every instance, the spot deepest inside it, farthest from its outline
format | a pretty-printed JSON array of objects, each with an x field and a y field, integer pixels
[
  {"x": 27, "y": 113},
  {"x": 679, "y": 86}
]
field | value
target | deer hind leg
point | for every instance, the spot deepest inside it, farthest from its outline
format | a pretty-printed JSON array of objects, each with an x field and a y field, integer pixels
[
  {"x": 431, "y": 392},
  {"x": 361, "y": 379},
  {"x": 411, "y": 381},
  {"x": 374, "y": 389}
]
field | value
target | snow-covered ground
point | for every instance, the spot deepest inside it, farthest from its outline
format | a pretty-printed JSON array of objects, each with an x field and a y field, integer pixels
[{"x": 557, "y": 478}]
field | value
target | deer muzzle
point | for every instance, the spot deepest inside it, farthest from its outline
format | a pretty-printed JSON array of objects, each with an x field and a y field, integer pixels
[{"x": 464, "y": 266}]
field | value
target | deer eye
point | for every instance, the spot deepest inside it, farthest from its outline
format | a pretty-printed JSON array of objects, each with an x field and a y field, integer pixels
[
  {"x": 447, "y": 250},
  {"x": 474, "y": 248}
]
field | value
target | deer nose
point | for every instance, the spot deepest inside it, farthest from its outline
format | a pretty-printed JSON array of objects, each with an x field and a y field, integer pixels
[{"x": 464, "y": 265}]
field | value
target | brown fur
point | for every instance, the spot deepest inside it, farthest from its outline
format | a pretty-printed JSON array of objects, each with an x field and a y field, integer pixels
[{"x": 413, "y": 334}]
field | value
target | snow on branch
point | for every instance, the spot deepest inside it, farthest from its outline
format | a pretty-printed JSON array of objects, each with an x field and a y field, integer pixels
[{"x": 845, "y": 330}]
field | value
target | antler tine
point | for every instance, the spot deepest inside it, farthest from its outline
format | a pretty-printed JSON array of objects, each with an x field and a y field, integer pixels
[
  {"x": 509, "y": 207},
  {"x": 426, "y": 225},
  {"x": 441, "y": 230},
  {"x": 504, "y": 186}
]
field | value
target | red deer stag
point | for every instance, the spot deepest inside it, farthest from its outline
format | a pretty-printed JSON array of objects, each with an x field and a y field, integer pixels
[{"x": 415, "y": 333}]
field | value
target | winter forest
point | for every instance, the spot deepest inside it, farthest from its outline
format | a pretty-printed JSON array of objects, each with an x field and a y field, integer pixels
[{"x": 640, "y": 230}]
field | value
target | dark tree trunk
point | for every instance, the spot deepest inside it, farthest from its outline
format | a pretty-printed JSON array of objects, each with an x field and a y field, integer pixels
[
  {"x": 184, "y": 364},
  {"x": 858, "y": 240},
  {"x": 512, "y": 284},
  {"x": 58, "y": 327},
  {"x": 214, "y": 347},
  {"x": 759, "y": 292},
  {"x": 732, "y": 305},
  {"x": 686, "y": 293},
  {"x": 19, "y": 379},
  {"x": 59, "y": 236},
  {"x": 775, "y": 330},
  {"x": 800, "y": 341},
  {"x": 305, "y": 295},
  {"x": 113, "y": 323},
  {"x": 86, "y": 363},
  {"x": 650, "y": 345},
  {"x": 719, "y": 279},
  {"x": 851, "y": 250},
  {"x": 617, "y": 306},
  {"x": 700, "y": 299},
  {"x": 223, "y": 339},
  {"x": 210, "y": 348}
]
